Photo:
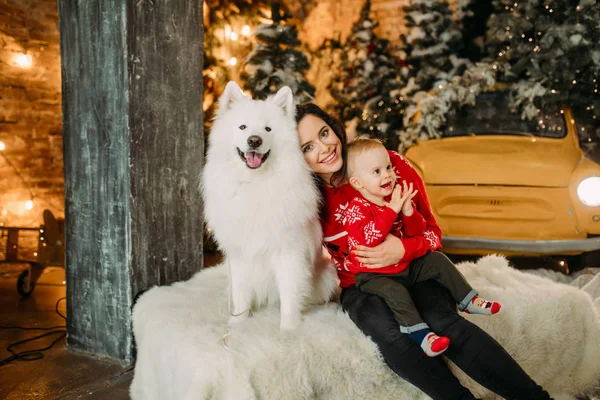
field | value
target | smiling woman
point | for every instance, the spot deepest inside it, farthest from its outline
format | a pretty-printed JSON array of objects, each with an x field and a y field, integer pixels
[{"x": 323, "y": 142}]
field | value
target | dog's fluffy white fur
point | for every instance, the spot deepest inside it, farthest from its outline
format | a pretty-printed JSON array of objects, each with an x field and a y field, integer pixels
[
  {"x": 265, "y": 219},
  {"x": 551, "y": 329}
]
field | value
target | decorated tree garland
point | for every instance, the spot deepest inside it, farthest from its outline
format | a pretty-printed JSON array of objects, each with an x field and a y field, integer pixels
[
  {"x": 428, "y": 114},
  {"x": 432, "y": 45}
]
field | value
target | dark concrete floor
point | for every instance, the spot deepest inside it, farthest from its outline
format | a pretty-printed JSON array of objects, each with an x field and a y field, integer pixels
[{"x": 60, "y": 374}]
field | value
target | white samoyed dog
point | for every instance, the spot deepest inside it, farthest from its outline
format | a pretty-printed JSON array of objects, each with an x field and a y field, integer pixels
[{"x": 262, "y": 204}]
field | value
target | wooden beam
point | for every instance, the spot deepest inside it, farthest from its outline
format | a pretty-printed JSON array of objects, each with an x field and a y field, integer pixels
[{"x": 133, "y": 151}]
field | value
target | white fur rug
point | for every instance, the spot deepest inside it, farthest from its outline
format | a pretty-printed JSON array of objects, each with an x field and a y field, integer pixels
[{"x": 551, "y": 329}]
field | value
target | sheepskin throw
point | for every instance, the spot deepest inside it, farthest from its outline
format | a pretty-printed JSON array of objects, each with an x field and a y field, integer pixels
[{"x": 551, "y": 329}]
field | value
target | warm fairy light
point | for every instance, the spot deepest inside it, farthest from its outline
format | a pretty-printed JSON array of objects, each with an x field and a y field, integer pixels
[
  {"x": 227, "y": 31},
  {"x": 2, "y": 146},
  {"x": 246, "y": 30},
  {"x": 29, "y": 204},
  {"x": 234, "y": 36},
  {"x": 232, "y": 61},
  {"x": 23, "y": 60}
]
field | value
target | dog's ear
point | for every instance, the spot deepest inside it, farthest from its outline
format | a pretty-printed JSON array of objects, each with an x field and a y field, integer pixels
[
  {"x": 231, "y": 94},
  {"x": 285, "y": 99}
]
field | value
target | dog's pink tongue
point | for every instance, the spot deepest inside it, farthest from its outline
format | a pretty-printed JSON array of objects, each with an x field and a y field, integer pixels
[{"x": 253, "y": 159}]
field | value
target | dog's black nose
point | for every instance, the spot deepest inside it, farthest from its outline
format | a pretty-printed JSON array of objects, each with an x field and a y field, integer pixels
[{"x": 254, "y": 141}]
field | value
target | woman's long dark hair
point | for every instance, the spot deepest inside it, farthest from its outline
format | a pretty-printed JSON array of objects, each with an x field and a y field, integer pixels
[{"x": 302, "y": 110}]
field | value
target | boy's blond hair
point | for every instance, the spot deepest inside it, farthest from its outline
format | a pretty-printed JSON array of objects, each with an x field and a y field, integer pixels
[{"x": 357, "y": 147}]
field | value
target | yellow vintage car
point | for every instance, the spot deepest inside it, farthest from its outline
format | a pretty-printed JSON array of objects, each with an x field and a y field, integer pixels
[{"x": 499, "y": 184}]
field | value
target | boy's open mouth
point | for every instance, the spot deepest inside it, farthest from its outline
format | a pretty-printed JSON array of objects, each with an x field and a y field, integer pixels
[
  {"x": 387, "y": 186},
  {"x": 253, "y": 159}
]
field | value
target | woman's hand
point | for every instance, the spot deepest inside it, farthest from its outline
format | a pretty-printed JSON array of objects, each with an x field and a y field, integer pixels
[{"x": 389, "y": 252}]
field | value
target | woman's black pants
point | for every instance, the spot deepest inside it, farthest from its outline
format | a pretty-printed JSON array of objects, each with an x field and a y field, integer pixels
[{"x": 471, "y": 349}]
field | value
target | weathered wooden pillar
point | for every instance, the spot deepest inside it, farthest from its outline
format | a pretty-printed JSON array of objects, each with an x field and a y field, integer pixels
[{"x": 133, "y": 149}]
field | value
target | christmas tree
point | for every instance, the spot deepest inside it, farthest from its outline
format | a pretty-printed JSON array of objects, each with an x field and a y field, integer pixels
[
  {"x": 367, "y": 86},
  {"x": 553, "y": 48},
  {"x": 432, "y": 45},
  {"x": 276, "y": 62}
]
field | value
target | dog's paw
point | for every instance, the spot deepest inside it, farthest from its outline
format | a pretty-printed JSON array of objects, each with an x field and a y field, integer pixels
[
  {"x": 234, "y": 320},
  {"x": 290, "y": 323}
]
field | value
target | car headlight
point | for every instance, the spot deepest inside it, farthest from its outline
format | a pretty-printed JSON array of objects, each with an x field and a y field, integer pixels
[{"x": 588, "y": 191}]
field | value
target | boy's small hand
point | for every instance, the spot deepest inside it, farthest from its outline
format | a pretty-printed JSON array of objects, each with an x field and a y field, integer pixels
[
  {"x": 396, "y": 201},
  {"x": 407, "y": 195}
]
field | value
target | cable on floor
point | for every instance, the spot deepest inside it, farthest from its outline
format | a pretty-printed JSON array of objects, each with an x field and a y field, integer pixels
[{"x": 35, "y": 354}]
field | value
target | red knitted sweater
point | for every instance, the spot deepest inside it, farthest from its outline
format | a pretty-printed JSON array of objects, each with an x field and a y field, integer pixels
[{"x": 336, "y": 215}]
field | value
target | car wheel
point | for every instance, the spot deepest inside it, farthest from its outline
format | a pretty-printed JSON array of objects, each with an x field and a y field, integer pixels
[
  {"x": 591, "y": 259},
  {"x": 24, "y": 285}
]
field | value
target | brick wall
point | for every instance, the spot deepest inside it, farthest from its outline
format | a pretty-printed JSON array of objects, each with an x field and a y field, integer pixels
[
  {"x": 334, "y": 18},
  {"x": 30, "y": 112}
]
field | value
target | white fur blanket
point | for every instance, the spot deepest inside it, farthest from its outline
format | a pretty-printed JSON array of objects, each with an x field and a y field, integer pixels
[{"x": 551, "y": 329}]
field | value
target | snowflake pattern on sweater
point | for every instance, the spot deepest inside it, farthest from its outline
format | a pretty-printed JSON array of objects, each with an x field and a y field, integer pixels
[
  {"x": 433, "y": 239},
  {"x": 340, "y": 213},
  {"x": 352, "y": 215},
  {"x": 371, "y": 233}
]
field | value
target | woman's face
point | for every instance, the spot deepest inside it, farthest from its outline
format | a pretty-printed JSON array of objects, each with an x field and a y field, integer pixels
[{"x": 321, "y": 147}]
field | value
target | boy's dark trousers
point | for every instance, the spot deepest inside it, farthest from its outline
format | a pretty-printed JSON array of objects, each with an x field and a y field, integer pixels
[{"x": 393, "y": 288}]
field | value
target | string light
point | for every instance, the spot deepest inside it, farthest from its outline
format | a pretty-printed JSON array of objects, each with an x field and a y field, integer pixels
[
  {"x": 29, "y": 204},
  {"x": 246, "y": 30},
  {"x": 2, "y": 146},
  {"x": 232, "y": 61},
  {"x": 23, "y": 60},
  {"x": 234, "y": 36}
]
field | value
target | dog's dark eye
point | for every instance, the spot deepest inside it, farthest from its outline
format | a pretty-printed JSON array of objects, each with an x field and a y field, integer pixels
[
  {"x": 242, "y": 127},
  {"x": 268, "y": 129}
]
